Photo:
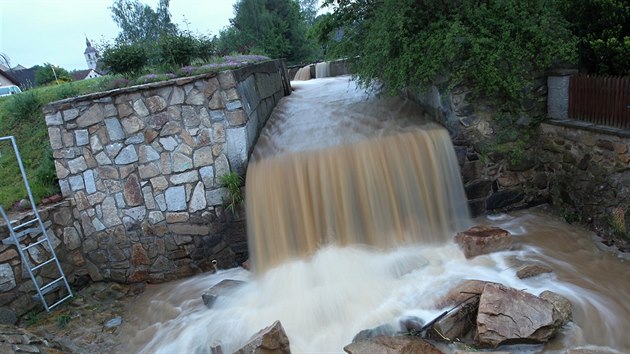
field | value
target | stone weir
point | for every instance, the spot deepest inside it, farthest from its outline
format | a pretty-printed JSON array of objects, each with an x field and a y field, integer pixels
[{"x": 141, "y": 168}]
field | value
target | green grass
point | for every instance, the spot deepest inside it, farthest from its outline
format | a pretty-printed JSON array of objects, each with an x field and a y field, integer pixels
[
  {"x": 62, "y": 320},
  {"x": 232, "y": 181},
  {"x": 21, "y": 116}
]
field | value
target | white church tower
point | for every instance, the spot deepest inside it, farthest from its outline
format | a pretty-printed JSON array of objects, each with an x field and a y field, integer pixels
[{"x": 91, "y": 55}]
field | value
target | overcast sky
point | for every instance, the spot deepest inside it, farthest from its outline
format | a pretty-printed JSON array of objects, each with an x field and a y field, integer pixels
[{"x": 53, "y": 31}]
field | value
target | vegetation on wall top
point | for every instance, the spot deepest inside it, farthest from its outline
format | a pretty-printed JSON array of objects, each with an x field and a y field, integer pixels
[{"x": 491, "y": 46}]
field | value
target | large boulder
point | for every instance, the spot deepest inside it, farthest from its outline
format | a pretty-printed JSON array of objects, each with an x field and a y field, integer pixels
[
  {"x": 462, "y": 292},
  {"x": 510, "y": 316},
  {"x": 457, "y": 324},
  {"x": 222, "y": 288},
  {"x": 483, "y": 239},
  {"x": 269, "y": 340},
  {"x": 392, "y": 345}
]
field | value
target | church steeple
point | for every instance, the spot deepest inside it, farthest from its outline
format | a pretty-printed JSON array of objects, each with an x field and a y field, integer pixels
[{"x": 91, "y": 54}]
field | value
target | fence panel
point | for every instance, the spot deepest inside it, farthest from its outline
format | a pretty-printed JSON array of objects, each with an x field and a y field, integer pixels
[{"x": 603, "y": 100}]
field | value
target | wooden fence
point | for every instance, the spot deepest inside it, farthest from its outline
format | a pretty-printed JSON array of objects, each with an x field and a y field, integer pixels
[{"x": 603, "y": 100}]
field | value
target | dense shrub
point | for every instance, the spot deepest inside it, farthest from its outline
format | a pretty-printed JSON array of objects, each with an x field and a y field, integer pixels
[
  {"x": 492, "y": 46},
  {"x": 125, "y": 58},
  {"x": 276, "y": 28},
  {"x": 603, "y": 29},
  {"x": 178, "y": 49}
]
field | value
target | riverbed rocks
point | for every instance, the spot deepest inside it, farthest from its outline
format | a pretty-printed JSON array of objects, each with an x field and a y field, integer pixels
[
  {"x": 269, "y": 340},
  {"x": 222, "y": 288},
  {"x": 511, "y": 316},
  {"x": 391, "y": 345},
  {"x": 532, "y": 270},
  {"x": 487, "y": 314},
  {"x": 20, "y": 340},
  {"x": 483, "y": 239},
  {"x": 458, "y": 323}
]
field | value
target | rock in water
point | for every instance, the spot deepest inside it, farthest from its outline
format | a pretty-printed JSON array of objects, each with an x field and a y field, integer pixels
[
  {"x": 457, "y": 323},
  {"x": 410, "y": 324},
  {"x": 269, "y": 340},
  {"x": 382, "y": 330},
  {"x": 483, "y": 239},
  {"x": 462, "y": 292},
  {"x": 391, "y": 345},
  {"x": 224, "y": 286},
  {"x": 532, "y": 270},
  {"x": 510, "y": 316},
  {"x": 561, "y": 304}
]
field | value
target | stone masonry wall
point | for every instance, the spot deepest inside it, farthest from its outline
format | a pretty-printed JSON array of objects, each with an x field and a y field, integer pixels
[
  {"x": 495, "y": 180},
  {"x": 16, "y": 287},
  {"x": 582, "y": 169},
  {"x": 589, "y": 169},
  {"x": 140, "y": 167}
]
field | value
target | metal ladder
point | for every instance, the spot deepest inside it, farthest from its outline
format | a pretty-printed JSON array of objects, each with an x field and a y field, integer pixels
[{"x": 35, "y": 226}]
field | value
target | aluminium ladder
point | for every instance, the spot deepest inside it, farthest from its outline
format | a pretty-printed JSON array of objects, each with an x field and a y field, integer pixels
[{"x": 35, "y": 226}]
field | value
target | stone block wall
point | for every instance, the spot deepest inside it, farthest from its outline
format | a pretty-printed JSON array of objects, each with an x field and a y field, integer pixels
[
  {"x": 581, "y": 168},
  {"x": 589, "y": 169},
  {"x": 64, "y": 232},
  {"x": 494, "y": 181},
  {"x": 141, "y": 168}
]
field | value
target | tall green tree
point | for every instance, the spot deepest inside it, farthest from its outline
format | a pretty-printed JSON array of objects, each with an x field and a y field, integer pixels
[
  {"x": 49, "y": 73},
  {"x": 603, "y": 29},
  {"x": 309, "y": 10},
  {"x": 272, "y": 27},
  {"x": 140, "y": 23}
]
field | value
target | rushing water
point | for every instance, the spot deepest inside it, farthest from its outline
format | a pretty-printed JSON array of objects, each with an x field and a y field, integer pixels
[
  {"x": 325, "y": 300},
  {"x": 352, "y": 204}
]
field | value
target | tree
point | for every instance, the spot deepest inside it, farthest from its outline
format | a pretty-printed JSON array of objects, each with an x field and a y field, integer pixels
[
  {"x": 603, "y": 29},
  {"x": 309, "y": 10},
  {"x": 275, "y": 28},
  {"x": 494, "y": 47},
  {"x": 49, "y": 73},
  {"x": 139, "y": 23}
]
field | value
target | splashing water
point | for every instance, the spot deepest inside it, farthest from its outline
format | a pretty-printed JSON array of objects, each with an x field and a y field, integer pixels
[{"x": 339, "y": 220}]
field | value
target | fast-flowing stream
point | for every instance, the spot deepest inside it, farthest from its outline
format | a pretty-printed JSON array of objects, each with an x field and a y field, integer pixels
[{"x": 352, "y": 204}]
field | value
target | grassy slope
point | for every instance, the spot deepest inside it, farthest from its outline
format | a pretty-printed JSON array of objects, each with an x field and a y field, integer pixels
[{"x": 21, "y": 116}]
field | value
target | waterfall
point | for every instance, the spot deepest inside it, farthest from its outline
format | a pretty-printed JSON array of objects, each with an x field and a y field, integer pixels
[
  {"x": 384, "y": 192},
  {"x": 303, "y": 74},
  {"x": 322, "y": 70}
]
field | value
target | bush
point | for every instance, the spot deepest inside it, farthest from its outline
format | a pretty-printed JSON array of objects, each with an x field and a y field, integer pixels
[
  {"x": 206, "y": 47},
  {"x": 125, "y": 58},
  {"x": 51, "y": 74},
  {"x": 179, "y": 49},
  {"x": 491, "y": 46},
  {"x": 603, "y": 29}
]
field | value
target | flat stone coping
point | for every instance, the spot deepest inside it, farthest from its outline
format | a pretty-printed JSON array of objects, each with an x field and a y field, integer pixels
[
  {"x": 16, "y": 216},
  {"x": 578, "y": 124}
]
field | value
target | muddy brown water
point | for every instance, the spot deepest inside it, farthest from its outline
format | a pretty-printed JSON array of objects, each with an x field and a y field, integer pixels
[
  {"x": 325, "y": 300},
  {"x": 330, "y": 265}
]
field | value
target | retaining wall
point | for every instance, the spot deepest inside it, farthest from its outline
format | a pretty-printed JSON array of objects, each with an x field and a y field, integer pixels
[
  {"x": 581, "y": 168},
  {"x": 494, "y": 179},
  {"x": 139, "y": 169}
]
